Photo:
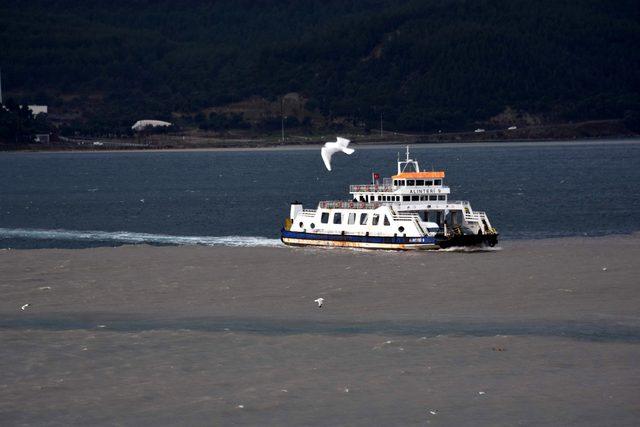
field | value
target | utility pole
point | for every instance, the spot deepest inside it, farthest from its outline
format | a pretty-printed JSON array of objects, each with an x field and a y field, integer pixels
[
  {"x": 380, "y": 123},
  {"x": 282, "y": 116},
  {"x": 0, "y": 85}
]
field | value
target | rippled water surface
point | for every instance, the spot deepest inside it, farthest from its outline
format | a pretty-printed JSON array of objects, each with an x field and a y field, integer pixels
[{"x": 206, "y": 197}]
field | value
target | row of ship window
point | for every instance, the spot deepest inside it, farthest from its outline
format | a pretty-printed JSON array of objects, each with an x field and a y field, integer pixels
[
  {"x": 415, "y": 182},
  {"x": 404, "y": 198},
  {"x": 351, "y": 219},
  {"x": 337, "y": 219}
]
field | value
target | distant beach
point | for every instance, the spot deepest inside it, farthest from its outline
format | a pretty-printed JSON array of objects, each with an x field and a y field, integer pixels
[
  {"x": 542, "y": 332},
  {"x": 367, "y": 145},
  {"x": 313, "y": 144}
]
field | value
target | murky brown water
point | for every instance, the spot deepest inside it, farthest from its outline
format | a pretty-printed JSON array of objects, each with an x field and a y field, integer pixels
[{"x": 535, "y": 334}]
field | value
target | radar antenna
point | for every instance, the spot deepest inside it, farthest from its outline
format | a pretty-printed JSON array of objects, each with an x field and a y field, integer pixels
[{"x": 408, "y": 165}]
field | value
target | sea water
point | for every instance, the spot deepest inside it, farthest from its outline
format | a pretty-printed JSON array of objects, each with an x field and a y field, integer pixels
[{"x": 85, "y": 199}]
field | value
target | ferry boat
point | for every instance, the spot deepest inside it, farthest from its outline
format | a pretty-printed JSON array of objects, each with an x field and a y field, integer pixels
[{"x": 410, "y": 210}]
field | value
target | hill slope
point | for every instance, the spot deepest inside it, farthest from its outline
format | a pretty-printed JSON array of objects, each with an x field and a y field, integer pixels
[{"x": 424, "y": 64}]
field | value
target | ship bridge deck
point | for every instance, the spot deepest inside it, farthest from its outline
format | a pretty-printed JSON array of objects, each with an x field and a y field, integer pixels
[{"x": 375, "y": 188}]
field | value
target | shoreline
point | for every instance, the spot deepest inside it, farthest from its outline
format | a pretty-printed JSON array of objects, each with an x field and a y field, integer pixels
[{"x": 363, "y": 146}]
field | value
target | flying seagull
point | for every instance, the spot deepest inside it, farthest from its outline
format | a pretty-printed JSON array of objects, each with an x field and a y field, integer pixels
[
  {"x": 330, "y": 148},
  {"x": 24, "y": 307},
  {"x": 319, "y": 301}
]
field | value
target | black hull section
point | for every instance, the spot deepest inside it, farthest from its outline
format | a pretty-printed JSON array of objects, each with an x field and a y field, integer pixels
[{"x": 468, "y": 240}]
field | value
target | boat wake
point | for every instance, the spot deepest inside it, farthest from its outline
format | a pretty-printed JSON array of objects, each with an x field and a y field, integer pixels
[
  {"x": 471, "y": 249},
  {"x": 126, "y": 237}
]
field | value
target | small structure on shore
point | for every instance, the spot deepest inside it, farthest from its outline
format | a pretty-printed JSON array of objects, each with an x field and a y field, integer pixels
[
  {"x": 38, "y": 109},
  {"x": 43, "y": 138},
  {"x": 141, "y": 125},
  {"x": 146, "y": 128}
]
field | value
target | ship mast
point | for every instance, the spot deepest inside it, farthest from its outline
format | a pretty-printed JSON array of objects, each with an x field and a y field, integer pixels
[{"x": 408, "y": 164}]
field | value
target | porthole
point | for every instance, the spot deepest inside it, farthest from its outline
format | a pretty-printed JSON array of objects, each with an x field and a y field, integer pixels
[
  {"x": 313, "y": 225},
  {"x": 401, "y": 229},
  {"x": 301, "y": 224}
]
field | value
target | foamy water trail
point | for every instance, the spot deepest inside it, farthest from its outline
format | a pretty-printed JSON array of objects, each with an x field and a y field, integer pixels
[
  {"x": 131, "y": 237},
  {"x": 472, "y": 249}
]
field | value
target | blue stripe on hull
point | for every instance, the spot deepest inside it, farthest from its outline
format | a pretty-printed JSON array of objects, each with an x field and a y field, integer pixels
[{"x": 359, "y": 239}]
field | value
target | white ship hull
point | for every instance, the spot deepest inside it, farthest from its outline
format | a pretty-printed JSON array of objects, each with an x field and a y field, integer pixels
[{"x": 362, "y": 245}]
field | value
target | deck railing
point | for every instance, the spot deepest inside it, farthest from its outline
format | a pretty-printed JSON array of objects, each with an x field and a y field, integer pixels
[
  {"x": 340, "y": 204},
  {"x": 406, "y": 218},
  {"x": 371, "y": 188},
  {"x": 476, "y": 216}
]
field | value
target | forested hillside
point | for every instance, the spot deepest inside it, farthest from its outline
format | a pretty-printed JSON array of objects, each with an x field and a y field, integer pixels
[{"x": 424, "y": 64}]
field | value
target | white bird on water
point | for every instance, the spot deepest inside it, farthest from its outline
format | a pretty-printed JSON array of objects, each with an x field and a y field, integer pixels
[
  {"x": 24, "y": 307},
  {"x": 330, "y": 148},
  {"x": 319, "y": 301}
]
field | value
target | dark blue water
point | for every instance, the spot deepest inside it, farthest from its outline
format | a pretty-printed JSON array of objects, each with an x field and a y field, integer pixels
[{"x": 528, "y": 191}]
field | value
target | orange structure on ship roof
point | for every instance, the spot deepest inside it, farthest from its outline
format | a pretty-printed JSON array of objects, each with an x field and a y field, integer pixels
[{"x": 419, "y": 175}]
